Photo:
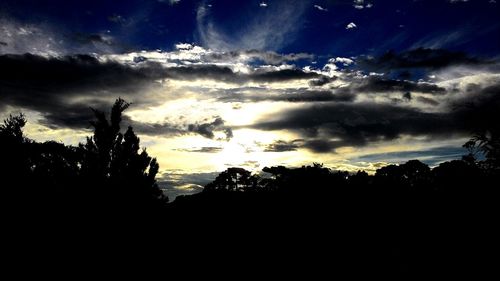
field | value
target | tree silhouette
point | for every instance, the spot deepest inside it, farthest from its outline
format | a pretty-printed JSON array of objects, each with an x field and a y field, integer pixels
[
  {"x": 15, "y": 162},
  {"x": 12, "y": 128},
  {"x": 233, "y": 179},
  {"x": 412, "y": 175},
  {"x": 114, "y": 163},
  {"x": 456, "y": 176},
  {"x": 487, "y": 143}
]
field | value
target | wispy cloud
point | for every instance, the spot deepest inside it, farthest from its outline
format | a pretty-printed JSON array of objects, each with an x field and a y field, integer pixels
[
  {"x": 320, "y": 8},
  {"x": 271, "y": 30}
]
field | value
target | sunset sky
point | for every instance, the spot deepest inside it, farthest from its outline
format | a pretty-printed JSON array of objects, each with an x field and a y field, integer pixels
[{"x": 216, "y": 84}]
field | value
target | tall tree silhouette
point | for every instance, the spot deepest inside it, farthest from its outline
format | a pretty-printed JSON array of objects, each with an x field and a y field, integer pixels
[{"x": 114, "y": 163}]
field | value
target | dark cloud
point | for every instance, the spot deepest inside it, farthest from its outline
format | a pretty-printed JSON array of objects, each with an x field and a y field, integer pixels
[
  {"x": 209, "y": 128},
  {"x": 329, "y": 126},
  {"x": 417, "y": 58},
  {"x": 323, "y": 80},
  {"x": 316, "y": 145},
  {"x": 428, "y": 101},
  {"x": 207, "y": 149},
  {"x": 195, "y": 72},
  {"x": 379, "y": 84},
  {"x": 225, "y": 74},
  {"x": 357, "y": 124},
  {"x": 301, "y": 96},
  {"x": 63, "y": 89},
  {"x": 43, "y": 77},
  {"x": 75, "y": 116},
  {"x": 283, "y": 146},
  {"x": 479, "y": 110},
  {"x": 323, "y": 145},
  {"x": 282, "y": 75},
  {"x": 206, "y": 129},
  {"x": 156, "y": 129},
  {"x": 3, "y": 43},
  {"x": 317, "y": 96}
]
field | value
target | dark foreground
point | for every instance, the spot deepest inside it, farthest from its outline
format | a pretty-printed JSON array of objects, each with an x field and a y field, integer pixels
[{"x": 338, "y": 233}]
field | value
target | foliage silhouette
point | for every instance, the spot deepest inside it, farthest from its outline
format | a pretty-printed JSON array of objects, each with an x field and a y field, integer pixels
[
  {"x": 109, "y": 171},
  {"x": 487, "y": 143},
  {"x": 112, "y": 161}
]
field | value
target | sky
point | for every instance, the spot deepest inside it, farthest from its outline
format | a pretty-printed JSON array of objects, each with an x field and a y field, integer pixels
[{"x": 215, "y": 84}]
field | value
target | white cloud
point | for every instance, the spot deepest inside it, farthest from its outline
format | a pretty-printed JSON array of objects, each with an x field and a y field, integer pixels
[
  {"x": 320, "y": 8},
  {"x": 361, "y": 4},
  {"x": 340, "y": 60},
  {"x": 183, "y": 46},
  {"x": 351, "y": 26},
  {"x": 263, "y": 4}
]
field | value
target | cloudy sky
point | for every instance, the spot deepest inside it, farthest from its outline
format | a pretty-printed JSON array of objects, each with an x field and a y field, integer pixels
[{"x": 214, "y": 84}]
